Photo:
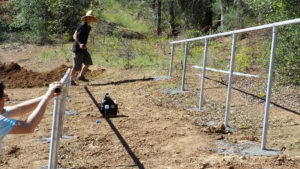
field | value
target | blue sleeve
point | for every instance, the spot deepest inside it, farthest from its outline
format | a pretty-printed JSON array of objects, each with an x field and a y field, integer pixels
[
  {"x": 6, "y": 111},
  {"x": 6, "y": 125}
]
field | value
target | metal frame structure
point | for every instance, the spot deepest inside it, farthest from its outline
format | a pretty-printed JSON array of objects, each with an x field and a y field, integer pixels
[
  {"x": 57, "y": 121},
  {"x": 234, "y": 34}
]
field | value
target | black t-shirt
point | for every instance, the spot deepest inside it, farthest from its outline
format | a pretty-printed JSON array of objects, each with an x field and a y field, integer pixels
[{"x": 84, "y": 30}]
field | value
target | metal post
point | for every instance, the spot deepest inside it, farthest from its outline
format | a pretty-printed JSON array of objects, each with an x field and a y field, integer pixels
[
  {"x": 171, "y": 61},
  {"x": 203, "y": 74},
  {"x": 63, "y": 111},
  {"x": 63, "y": 98},
  {"x": 57, "y": 122},
  {"x": 267, "y": 105},
  {"x": 230, "y": 79},
  {"x": 52, "y": 164},
  {"x": 184, "y": 65}
]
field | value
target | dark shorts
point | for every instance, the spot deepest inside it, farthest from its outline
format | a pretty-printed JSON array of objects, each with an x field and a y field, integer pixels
[{"x": 79, "y": 58}]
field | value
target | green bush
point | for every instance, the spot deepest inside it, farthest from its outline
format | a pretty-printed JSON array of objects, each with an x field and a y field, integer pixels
[
  {"x": 243, "y": 59},
  {"x": 119, "y": 13},
  {"x": 287, "y": 58}
]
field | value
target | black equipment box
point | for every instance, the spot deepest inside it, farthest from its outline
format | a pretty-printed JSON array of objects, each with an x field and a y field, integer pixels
[{"x": 108, "y": 107}]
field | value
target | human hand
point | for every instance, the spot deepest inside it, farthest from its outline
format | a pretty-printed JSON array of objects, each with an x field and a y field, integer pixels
[
  {"x": 53, "y": 88},
  {"x": 82, "y": 46}
]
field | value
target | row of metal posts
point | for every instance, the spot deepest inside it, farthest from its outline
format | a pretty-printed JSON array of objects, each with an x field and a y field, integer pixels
[
  {"x": 234, "y": 35},
  {"x": 57, "y": 121}
]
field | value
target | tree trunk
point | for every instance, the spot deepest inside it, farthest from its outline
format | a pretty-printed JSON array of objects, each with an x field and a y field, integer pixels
[
  {"x": 208, "y": 19},
  {"x": 152, "y": 4},
  {"x": 222, "y": 16},
  {"x": 172, "y": 16},
  {"x": 158, "y": 18}
]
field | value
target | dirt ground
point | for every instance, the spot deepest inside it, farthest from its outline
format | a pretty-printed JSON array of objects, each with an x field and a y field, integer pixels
[{"x": 154, "y": 128}]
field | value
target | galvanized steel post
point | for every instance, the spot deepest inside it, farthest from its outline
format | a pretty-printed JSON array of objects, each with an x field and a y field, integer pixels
[
  {"x": 52, "y": 163},
  {"x": 267, "y": 104},
  {"x": 203, "y": 74},
  {"x": 57, "y": 121},
  {"x": 63, "y": 112},
  {"x": 171, "y": 61},
  {"x": 184, "y": 65},
  {"x": 230, "y": 79}
]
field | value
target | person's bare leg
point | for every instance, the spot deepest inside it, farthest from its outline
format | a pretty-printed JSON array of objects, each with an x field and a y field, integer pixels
[
  {"x": 83, "y": 70},
  {"x": 73, "y": 74},
  {"x": 73, "y": 77}
]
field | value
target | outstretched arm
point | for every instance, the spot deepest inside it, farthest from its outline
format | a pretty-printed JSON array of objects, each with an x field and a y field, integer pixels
[
  {"x": 25, "y": 107},
  {"x": 28, "y": 125}
]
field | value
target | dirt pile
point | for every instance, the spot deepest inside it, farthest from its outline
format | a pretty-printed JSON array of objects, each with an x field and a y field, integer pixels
[{"x": 16, "y": 76}]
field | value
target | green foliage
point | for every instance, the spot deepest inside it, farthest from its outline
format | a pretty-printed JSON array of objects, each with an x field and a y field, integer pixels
[
  {"x": 32, "y": 17},
  {"x": 195, "y": 52},
  {"x": 58, "y": 53},
  {"x": 287, "y": 62},
  {"x": 197, "y": 13},
  {"x": 217, "y": 51},
  {"x": 243, "y": 59},
  {"x": 287, "y": 58},
  {"x": 6, "y": 15},
  {"x": 232, "y": 12},
  {"x": 133, "y": 16},
  {"x": 40, "y": 20},
  {"x": 124, "y": 53},
  {"x": 46, "y": 55},
  {"x": 192, "y": 33},
  {"x": 233, "y": 19},
  {"x": 65, "y": 15}
]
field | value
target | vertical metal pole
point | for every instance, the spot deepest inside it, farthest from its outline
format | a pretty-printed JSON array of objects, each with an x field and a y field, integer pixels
[
  {"x": 57, "y": 122},
  {"x": 203, "y": 74},
  {"x": 62, "y": 101},
  {"x": 230, "y": 79},
  {"x": 171, "y": 61},
  {"x": 52, "y": 164},
  {"x": 184, "y": 65},
  {"x": 64, "y": 104},
  {"x": 62, "y": 111},
  {"x": 267, "y": 104}
]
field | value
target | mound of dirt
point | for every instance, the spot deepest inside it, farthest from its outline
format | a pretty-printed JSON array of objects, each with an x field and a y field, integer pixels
[{"x": 16, "y": 76}]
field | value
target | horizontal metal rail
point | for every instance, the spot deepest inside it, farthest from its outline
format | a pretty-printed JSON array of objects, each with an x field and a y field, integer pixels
[
  {"x": 224, "y": 71},
  {"x": 276, "y": 24}
]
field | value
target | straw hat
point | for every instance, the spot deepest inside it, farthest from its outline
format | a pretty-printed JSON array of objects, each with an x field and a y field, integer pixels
[{"x": 89, "y": 14}]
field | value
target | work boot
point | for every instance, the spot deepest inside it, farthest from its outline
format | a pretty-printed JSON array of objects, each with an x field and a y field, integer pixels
[
  {"x": 72, "y": 83},
  {"x": 82, "y": 78}
]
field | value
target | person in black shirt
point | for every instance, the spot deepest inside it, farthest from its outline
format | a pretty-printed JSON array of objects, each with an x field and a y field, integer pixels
[{"x": 79, "y": 50}]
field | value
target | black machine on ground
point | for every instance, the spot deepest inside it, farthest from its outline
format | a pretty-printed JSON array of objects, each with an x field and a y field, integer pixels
[{"x": 108, "y": 107}]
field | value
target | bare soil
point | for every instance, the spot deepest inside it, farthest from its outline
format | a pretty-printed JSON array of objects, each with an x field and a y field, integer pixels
[{"x": 154, "y": 129}]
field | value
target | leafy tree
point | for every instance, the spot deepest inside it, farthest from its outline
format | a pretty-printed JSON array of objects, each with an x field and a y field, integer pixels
[
  {"x": 228, "y": 14},
  {"x": 172, "y": 14},
  {"x": 65, "y": 15},
  {"x": 158, "y": 18},
  {"x": 287, "y": 61},
  {"x": 198, "y": 13},
  {"x": 6, "y": 15},
  {"x": 40, "y": 19},
  {"x": 32, "y": 16}
]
